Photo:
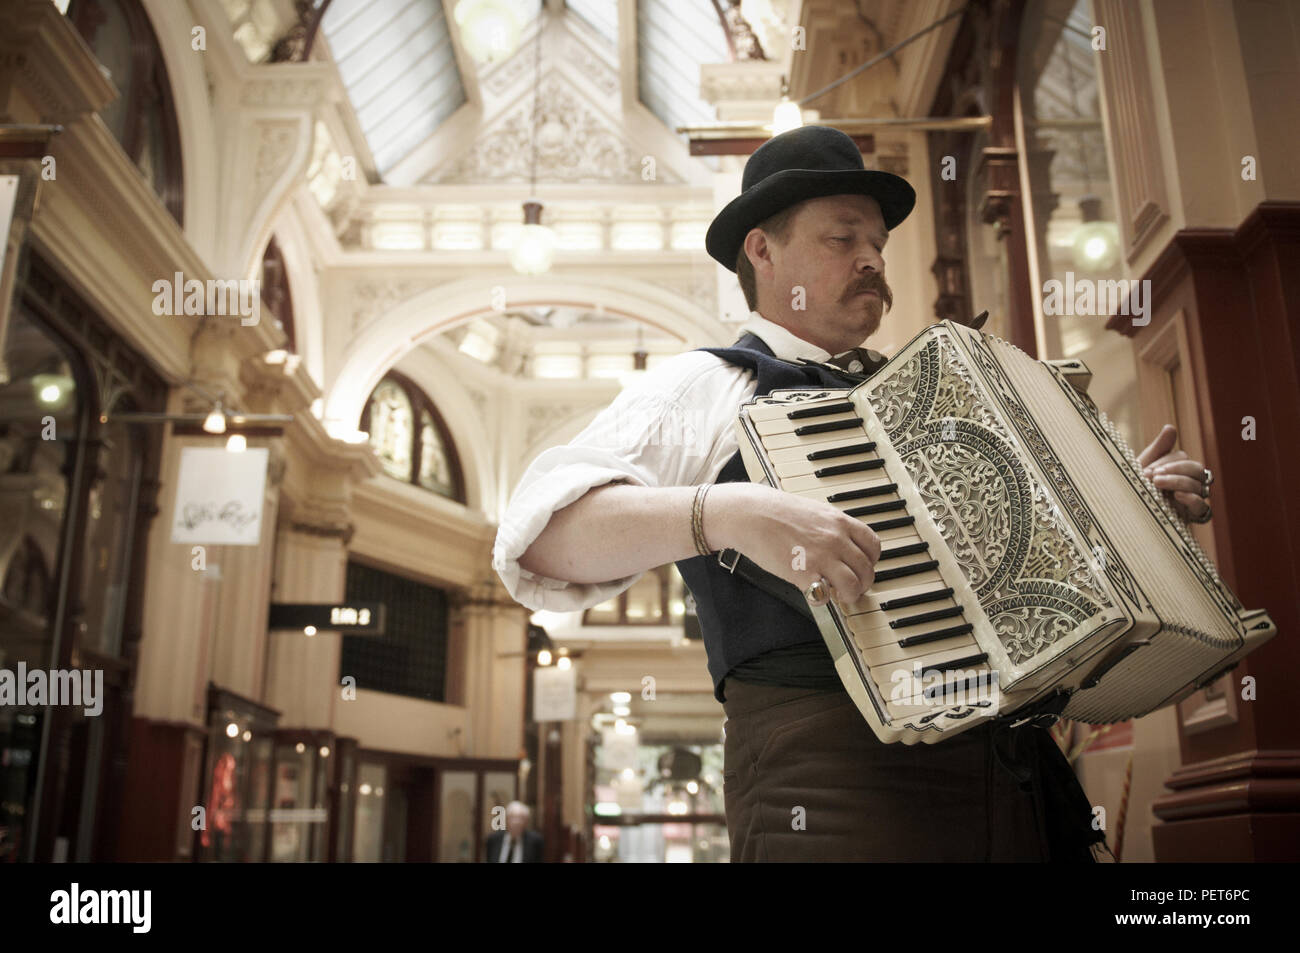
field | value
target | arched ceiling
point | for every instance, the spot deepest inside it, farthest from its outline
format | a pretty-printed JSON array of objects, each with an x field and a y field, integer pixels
[{"x": 406, "y": 71}]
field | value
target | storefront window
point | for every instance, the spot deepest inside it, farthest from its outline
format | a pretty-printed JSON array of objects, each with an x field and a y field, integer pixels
[
  {"x": 456, "y": 817},
  {"x": 368, "y": 844},
  {"x": 299, "y": 814},
  {"x": 658, "y": 803},
  {"x": 110, "y": 526},
  {"x": 40, "y": 411},
  {"x": 346, "y": 800},
  {"x": 72, "y": 537},
  {"x": 236, "y": 780}
]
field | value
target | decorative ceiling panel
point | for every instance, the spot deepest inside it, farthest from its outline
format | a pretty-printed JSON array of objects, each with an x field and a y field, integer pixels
[
  {"x": 396, "y": 60},
  {"x": 600, "y": 15},
  {"x": 674, "y": 38}
]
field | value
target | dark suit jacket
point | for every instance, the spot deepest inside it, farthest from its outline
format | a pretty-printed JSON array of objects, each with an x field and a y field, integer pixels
[{"x": 532, "y": 847}]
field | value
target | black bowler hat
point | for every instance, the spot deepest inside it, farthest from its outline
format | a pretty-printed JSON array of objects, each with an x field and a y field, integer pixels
[{"x": 804, "y": 163}]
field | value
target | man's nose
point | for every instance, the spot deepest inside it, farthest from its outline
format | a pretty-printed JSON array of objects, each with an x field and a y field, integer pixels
[{"x": 871, "y": 260}]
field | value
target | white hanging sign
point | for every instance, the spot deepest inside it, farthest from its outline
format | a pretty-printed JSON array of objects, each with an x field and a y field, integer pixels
[
  {"x": 555, "y": 693},
  {"x": 219, "y": 496}
]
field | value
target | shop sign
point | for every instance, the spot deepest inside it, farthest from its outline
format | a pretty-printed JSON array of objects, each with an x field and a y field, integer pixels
[
  {"x": 219, "y": 496},
  {"x": 354, "y": 618},
  {"x": 555, "y": 693}
]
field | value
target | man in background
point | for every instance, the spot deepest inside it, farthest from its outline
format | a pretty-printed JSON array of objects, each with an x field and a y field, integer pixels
[{"x": 516, "y": 844}]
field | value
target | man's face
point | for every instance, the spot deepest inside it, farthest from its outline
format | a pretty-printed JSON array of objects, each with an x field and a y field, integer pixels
[
  {"x": 516, "y": 822},
  {"x": 833, "y": 250}
]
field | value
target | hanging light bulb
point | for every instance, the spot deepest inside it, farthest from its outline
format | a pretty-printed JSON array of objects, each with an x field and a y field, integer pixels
[
  {"x": 534, "y": 250},
  {"x": 1096, "y": 243},
  {"x": 215, "y": 422},
  {"x": 236, "y": 443},
  {"x": 786, "y": 116},
  {"x": 489, "y": 29}
]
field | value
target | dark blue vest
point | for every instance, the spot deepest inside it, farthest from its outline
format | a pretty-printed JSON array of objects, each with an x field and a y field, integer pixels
[{"x": 738, "y": 620}]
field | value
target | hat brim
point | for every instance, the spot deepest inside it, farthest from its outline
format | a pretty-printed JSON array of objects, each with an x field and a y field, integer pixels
[{"x": 781, "y": 190}]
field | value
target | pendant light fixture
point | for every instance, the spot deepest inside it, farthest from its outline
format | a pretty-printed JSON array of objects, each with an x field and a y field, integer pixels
[
  {"x": 787, "y": 115},
  {"x": 534, "y": 250},
  {"x": 489, "y": 29}
]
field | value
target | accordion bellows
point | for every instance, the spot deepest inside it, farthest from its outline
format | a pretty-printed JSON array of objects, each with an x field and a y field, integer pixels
[{"x": 1024, "y": 556}]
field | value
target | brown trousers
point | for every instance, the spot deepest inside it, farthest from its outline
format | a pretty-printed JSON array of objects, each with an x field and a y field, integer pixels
[{"x": 806, "y": 779}]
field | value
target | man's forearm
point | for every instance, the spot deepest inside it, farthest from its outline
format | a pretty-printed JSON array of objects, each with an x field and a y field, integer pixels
[{"x": 618, "y": 530}]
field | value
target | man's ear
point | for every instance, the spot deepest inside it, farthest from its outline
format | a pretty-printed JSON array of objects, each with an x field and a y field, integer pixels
[{"x": 759, "y": 250}]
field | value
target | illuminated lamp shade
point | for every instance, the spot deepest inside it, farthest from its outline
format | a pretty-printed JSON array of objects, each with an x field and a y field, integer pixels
[
  {"x": 786, "y": 116},
  {"x": 236, "y": 443},
  {"x": 52, "y": 390},
  {"x": 215, "y": 422},
  {"x": 534, "y": 251},
  {"x": 489, "y": 29},
  {"x": 1096, "y": 243}
]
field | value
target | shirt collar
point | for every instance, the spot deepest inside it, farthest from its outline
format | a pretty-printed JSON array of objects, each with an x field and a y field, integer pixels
[{"x": 783, "y": 343}]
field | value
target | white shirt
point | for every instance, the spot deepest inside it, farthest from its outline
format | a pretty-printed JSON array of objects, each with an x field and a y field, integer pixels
[{"x": 674, "y": 427}]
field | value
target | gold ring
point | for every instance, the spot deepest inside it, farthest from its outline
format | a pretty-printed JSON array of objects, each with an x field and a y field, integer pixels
[{"x": 819, "y": 593}]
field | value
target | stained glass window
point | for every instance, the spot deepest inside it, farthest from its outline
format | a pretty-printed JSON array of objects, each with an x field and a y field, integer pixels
[
  {"x": 435, "y": 468},
  {"x": 410, "y": 439},
  {"x": 391, "y": 428}
]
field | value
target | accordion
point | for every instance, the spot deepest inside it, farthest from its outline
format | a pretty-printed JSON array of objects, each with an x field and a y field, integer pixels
[{"x": 1027, "y": 566}]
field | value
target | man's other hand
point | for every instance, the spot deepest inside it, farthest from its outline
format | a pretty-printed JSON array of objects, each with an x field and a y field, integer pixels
[{"x": 1176, "y": 473}]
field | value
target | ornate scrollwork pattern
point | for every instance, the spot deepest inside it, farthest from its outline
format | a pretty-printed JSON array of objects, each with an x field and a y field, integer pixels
[{"x": 1005, "y": 529}]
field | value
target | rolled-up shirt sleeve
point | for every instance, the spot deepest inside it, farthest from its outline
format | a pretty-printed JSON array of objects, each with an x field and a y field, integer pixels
[{"x": 673, "y": 428}]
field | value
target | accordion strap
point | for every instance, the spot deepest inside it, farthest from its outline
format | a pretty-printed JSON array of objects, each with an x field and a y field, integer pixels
[{"x": 750, "y": 571}]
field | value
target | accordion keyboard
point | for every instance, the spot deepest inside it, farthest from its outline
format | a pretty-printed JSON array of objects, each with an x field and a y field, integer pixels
[{"x": 913, "y": 630}]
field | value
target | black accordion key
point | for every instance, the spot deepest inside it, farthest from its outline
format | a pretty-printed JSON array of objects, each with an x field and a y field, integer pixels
[
  {"x": 823, "y": 411},
  {"x": 895, "y": 523},
  {"x": 911, "y": 549},
  {"x": 983, "y": 680},
  {"x": 842, "y": 451},
  {"x": 936, "y": 636},
  {"x": 958, "y": 663},
  {"x": 876, "y": 508},
  {"x": 858, "y": 467},
  {"x": 806, "y": 429},
  {"x": 933, "y": 616},
  {"x": 915, "y": 569},
  {"x": 902, "y": 602},
  {"x": 862, "y": 493}
]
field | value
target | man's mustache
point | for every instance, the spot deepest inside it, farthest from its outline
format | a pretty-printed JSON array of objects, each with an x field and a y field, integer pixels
[{"x": 874, "y": 282}]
